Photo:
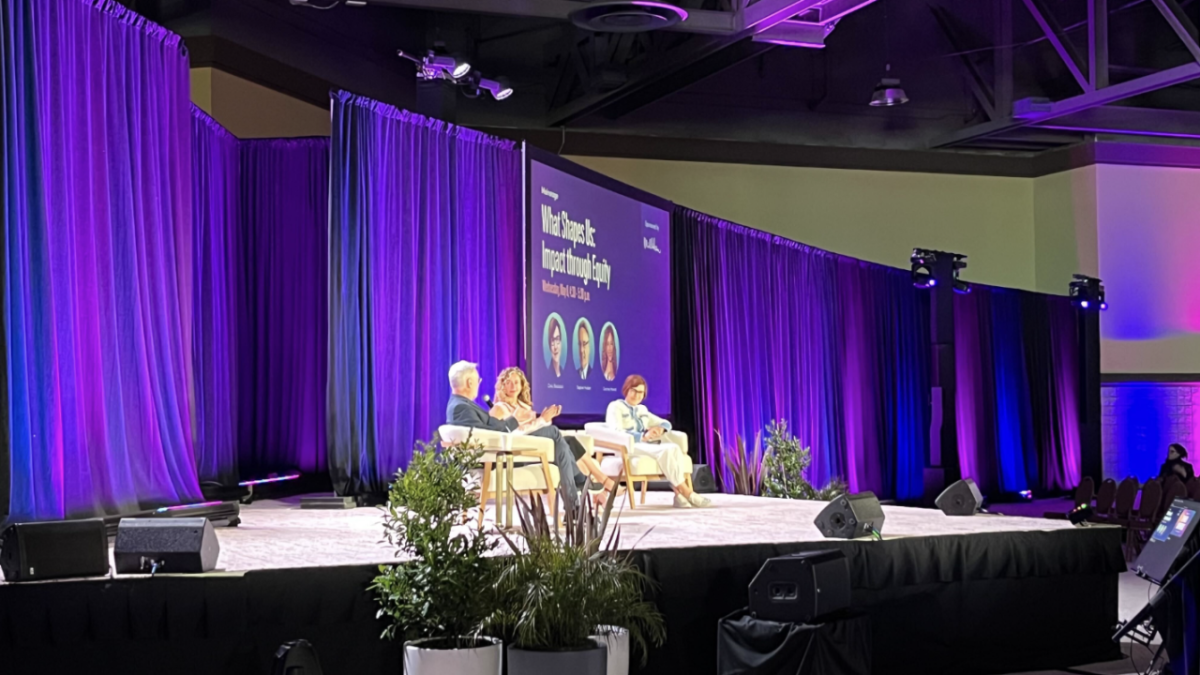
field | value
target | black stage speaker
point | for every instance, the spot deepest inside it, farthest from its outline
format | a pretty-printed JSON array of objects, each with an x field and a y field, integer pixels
[
  {"x": 851, "y": 516},
  {"x": 960, "y": 499},
  {"x": 801, "y": 587},
  {"x": 66, "y": 548},
  {"x": 169, "y": 545},
  {"x": 702, "y": 479},
  {"x": 297, "y": 657}
]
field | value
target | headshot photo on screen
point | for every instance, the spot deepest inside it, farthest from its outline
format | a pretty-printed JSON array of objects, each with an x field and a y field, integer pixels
[
  {"x": 583, "y": 347},
  {"x": 610, "y": 351},
  {"x": 552, "y": 343}
]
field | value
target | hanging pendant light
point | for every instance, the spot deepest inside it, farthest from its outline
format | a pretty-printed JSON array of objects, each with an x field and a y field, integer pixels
[{"x": 888, "y": 93}]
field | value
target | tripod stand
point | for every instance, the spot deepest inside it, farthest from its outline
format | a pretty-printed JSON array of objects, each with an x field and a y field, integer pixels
[{"x": 1135, "y": 624}]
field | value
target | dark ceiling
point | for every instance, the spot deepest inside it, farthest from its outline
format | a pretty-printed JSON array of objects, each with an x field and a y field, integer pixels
[{"x": 960, "y": 62}]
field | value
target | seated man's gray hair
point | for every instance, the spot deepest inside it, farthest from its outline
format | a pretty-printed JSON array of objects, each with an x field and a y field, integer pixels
[{"x": 459, "y": 372}]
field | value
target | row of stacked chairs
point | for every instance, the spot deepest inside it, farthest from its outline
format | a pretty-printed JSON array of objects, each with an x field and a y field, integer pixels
[{"x": 1136, "y": 507}]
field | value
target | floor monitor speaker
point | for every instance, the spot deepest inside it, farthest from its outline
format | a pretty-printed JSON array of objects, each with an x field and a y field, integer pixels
[
  {"x": 851, "y": 516},
  {"x": 53, "y": 550},
  {"x": 801, "y": 588}
]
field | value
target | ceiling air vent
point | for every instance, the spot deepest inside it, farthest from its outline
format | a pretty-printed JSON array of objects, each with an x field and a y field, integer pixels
[{"x": 627, "y": 16}]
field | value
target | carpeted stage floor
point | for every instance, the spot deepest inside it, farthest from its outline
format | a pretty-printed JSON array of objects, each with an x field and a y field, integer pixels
[
  {"x": 278, "y": 534},
  {"x": 985, "y": 594}
]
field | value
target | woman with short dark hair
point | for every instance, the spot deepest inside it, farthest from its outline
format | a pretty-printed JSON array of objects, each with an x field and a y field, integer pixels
[
  {"x": 649, "y": 440},
  {"x": 1175, "y": 466}
]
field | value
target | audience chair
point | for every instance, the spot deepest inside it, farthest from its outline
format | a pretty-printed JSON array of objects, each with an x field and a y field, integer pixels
[
  {"x": 1085, "y": 491},
  {"x": 1144, "y": 519},
  {"x": 1104, "y": 500},
  {"x": 1193, "y": 489},
  {"x": 1127, "y": 493}
]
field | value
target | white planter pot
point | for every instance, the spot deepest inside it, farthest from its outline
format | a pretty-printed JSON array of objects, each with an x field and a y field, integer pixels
[
  {"x": 616, "y": 639},
  {"x": 420, "y": 658},
  {"x": 583, "y": 662}
]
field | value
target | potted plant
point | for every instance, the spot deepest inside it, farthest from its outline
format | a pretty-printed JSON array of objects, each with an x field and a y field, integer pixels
[
  {"x": 558, "y": 596},
  {"x": 785, "y": 468},
  {"x": 437, "y": 598}
]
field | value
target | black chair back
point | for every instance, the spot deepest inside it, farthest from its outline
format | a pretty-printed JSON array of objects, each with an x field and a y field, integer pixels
[
  {"x": 1085, "y": 491},
  {"x": 1152, "y": 494},
  {"x": 1193, "y": 486},
  {"x": 1105, "y": 497},
  {"x": 1127, "y": 493}
]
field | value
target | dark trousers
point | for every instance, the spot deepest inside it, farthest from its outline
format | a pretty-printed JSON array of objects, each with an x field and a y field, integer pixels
[{"x": 569, "y": 474}]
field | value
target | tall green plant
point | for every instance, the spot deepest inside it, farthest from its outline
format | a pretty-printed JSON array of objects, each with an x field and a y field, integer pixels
[
  {"x": 556, "y": 589},
  {"x": 785, "y": 468},
  {"x": 745, "y": 466},
  {"x": 444, "y": 588}
]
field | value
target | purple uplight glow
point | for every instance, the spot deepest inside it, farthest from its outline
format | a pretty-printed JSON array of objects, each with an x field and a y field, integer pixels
[
  {"x": 273, "y": 479},
  {"x": 184, "y": 507},
  {"x": 1083, "y": 304},
  {"x": 933, "y": 282}
]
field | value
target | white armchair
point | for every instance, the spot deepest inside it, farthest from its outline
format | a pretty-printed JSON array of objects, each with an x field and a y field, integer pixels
[
  {"x": 619, "y": 461},
  {"x": 534, "y": 473}
]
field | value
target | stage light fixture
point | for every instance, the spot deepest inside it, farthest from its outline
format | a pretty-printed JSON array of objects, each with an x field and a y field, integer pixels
[
  {"x": 922, "y": 261},
  {"x": 1080, "y": 514},
  {"x": 1087, "y": 292},
  {"x": 434, "y": 66},
  {"x": 499, "y": 91}
]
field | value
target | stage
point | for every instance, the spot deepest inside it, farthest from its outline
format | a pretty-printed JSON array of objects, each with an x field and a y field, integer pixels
[{"x": 946, "y": 595}]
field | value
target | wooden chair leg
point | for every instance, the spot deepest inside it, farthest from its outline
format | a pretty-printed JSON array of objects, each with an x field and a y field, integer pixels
[
  {"x": 645, "y": 484},
  {"x": 483, "y": 491}
]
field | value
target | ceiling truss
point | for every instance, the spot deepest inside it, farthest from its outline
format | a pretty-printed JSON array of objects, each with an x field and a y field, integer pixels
[{"x": 1085, "y": 112}]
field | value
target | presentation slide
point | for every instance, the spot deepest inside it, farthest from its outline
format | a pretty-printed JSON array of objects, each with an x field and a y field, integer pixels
[{"x": 600, "y": 294}]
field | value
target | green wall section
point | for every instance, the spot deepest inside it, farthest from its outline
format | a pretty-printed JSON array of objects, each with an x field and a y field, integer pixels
[{"x": 874, "y": 215}]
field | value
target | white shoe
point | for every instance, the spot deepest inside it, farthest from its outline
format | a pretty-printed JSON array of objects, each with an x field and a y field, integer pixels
[
  {"x": 681, "y": 503},
  {"x": 699, "y": 502}
]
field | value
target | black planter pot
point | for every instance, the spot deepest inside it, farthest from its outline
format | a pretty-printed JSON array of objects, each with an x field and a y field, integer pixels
[{"x": 582, "y": 662}]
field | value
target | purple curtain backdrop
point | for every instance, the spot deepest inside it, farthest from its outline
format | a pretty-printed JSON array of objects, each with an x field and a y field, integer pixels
[
  {"x": 837, "y": 347},
  {"x": 97, "y": 262},
  {"x": 261, "y": 222},
  {"x": 425, "y": 255},
  {"x": 1017, "y": 405},
  {"x": 217, "y": 276},
  {"x": 283, "y": 321}
]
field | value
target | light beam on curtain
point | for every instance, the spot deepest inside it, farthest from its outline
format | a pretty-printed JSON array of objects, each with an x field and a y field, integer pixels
[
  {"x": 425, "y": 256},
  {"x": 97, "y": 164},
  {"x": 836, "y": 346}
]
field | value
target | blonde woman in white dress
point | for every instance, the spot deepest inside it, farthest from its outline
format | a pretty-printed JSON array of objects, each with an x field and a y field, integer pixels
[{"x": 629, "y": 415}]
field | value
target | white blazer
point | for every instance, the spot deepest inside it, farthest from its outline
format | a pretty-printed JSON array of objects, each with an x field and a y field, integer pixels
[{"x": 634, "y": 421}]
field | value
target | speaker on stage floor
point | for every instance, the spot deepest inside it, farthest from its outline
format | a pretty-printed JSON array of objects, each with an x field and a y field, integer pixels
[
  {"x": 702, "y": 479},
  {"x": 800, "y": 588},
  {"x": 53, "y": 550},
  {"x": 168, "y": 545},
  {"x": 960, "y": 499},
  {"x": 851, "y": 516}
]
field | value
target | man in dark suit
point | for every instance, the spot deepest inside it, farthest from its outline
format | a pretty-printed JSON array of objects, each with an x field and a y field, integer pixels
[{"x": 462, "y": 410}]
